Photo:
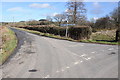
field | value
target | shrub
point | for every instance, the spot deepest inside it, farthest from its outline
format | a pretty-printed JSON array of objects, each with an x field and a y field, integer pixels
[{"x": 79, "y": 33}]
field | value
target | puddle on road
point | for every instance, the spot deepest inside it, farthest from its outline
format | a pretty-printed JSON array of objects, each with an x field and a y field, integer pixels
[
  {"x": 30, "y": 52},
  {"x": 112, "y": 53},
  {"x": 21, "y": 62},
  {"x": 33, "y": 70}
]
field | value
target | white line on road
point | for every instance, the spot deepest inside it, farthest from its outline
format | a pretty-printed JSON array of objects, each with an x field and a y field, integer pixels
[
  {"x": 67, "y": 67},
  {"x": 83, "y": 55},
  {"x": 47, "y": 76},
  {"x": 92, "y": 52},
  {"x": 81, "y": 61},
  {"x": 88, "y": 58},
  {"x": 76, "y": 62},
  {"x": 110, "y": 48},
  {"x": 57, "y": 71}
]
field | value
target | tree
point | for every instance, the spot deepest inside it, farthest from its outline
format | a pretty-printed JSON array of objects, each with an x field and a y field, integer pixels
[
  {"x": 32, "y": 22},
  {"x": 49, "y": 18},
  {"x": 104, "y": 23},
  {"x": 43, "y": 20},
  {"x": 60, "y": 18},
  {"x": 115, "y": 15},
  {"x": 76, "y": 12}
]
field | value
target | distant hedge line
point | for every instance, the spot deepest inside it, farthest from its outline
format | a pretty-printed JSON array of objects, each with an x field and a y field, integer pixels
[{"x": 76, "y": 33}]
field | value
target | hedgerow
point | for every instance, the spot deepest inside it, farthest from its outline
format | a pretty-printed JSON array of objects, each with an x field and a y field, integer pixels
[{"x": 77, "y": 33}]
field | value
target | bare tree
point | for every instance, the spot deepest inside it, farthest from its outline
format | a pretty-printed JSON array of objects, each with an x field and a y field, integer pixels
[
  {"x": 49, "y": 18},
  {"x": 76, "y": 11},
  {"x": 116, "y": 19},
  {"x": 60, "y": 18},
  {"x": 115, "y": 15}
]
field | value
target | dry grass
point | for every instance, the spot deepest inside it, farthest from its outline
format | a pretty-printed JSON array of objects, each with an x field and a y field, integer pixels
[
  {"x": 8, "y": 43},
  {"x": 108, "y": 35}
]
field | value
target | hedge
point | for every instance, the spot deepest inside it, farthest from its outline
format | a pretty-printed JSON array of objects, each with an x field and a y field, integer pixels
[{"x": 77, "y": 33}]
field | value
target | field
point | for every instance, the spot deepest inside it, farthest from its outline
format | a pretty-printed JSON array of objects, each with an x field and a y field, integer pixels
[
  {"x": 103, "y": 36},
  {"x": 7, "y": 44}
]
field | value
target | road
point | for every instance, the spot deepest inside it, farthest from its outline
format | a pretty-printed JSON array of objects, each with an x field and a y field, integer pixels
[{"x": 43, "y": 57}]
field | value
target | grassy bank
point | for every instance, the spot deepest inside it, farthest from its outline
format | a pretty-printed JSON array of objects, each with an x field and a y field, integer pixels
[
  {"x": 103, "y": 37},
  {"x": 95, "y": 37},
  {"x": 9, "y": 43}
]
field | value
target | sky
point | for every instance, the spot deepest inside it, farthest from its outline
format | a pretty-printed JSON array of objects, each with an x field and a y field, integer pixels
[{"x": 24, "y": 11}]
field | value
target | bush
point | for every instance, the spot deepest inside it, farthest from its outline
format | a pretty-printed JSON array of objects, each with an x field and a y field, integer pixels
[
  {"x": 79, "y": 33},
  {"x": 76, "y": 33}
]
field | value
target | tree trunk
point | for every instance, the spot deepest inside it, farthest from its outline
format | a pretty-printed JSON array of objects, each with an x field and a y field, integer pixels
[{"x": 118, "y": 35}]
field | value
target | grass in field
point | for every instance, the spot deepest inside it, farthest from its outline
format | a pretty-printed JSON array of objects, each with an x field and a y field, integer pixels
[
  {"x": 103, "y": 37},
  {"x": 95, "y": 37},
  {"x": 9, "y": 43}
]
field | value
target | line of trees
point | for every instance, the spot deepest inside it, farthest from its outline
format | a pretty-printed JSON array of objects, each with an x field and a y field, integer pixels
[
  {"x": 74, "y": 14},
  {"x": 110, "y": 21}
]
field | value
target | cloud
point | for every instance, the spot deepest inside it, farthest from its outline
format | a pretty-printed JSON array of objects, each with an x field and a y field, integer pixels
[
  {"x": 97, "y": 9},
  {"x": 15, "y": 9},
  {"x": 54, "y": 14},
  {"x": 57, "y": 0},
  {"x": 67, "y": 10},
  {"x": 35, "y": 5},
  {"x": 96, "y": 4},
  {"x": 50, "y": 14},
  {"x": 95, "y": 18}
]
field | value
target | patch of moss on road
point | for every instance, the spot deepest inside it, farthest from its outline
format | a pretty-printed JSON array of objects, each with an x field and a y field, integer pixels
[{"x": 9, "y": 43}]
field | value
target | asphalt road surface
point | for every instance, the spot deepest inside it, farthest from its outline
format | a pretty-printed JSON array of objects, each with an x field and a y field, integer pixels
[{"x": 43, "y": 57}]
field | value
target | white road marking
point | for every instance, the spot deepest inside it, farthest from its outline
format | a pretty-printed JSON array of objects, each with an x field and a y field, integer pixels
[
  {"x": 86, "y": 58},
  {"x": 76, "y": 62},
  {"x": 83, "y": 55},
  {"x": 81, "y": 61},
  {"x": 89, "y": 58},
  {"x": 67, "y": 67},
  {"x": 57, "y": 71},
  {"x": 47, "y": 76},
  {"x": 110, "y": 48},
  {"x": 92, "y": 52}
]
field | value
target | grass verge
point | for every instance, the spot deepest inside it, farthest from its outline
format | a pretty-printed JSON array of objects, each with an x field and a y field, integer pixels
[
  {"x": 64, "y": 38},
  {"x": 9, "y": 43},
  {"x": 100, "y": 42}
]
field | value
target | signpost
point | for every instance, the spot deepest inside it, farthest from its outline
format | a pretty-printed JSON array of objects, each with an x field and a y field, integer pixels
[{"x": 66, "y": 30}]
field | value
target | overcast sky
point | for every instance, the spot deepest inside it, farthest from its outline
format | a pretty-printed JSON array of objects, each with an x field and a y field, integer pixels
[{"x": 23, "y": 11}]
